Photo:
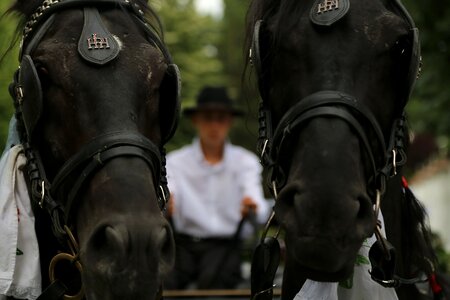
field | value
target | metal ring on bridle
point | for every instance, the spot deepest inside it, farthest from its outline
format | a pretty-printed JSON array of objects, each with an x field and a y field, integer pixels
[
  {"x": 394, "y": 161},
  {"x": 41, "y": 201},
  {"x": 267, "y": 226},
  {"x": 377, "y": 203},
  {"x": 274, "y": 189},
  {"x": 72, "y": 259},
  {"x": 263, "y": 291},
  {"x": 380, "y": 238},
  {"x": 19, "y": 93},
  {"x": 163, "y": 193},
  {"x": 271, "y": 217},
  {"x": 263, "y": 151}
]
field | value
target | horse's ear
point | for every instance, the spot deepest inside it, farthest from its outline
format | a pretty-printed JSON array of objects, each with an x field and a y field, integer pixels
[
  {"x": 169, "y": 102},
  {"x": 25, "y": 7}
]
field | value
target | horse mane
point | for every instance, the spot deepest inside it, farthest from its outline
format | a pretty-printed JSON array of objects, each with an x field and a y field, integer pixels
[{"x": 416, "y": 237}]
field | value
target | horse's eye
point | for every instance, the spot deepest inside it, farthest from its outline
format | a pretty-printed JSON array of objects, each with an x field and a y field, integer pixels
[
  {"x": 42, "y": 71},
  {"x": 402, "y": 47},
  {"x": 43, "y": 74},
  {"x": 401, "y": 56}
]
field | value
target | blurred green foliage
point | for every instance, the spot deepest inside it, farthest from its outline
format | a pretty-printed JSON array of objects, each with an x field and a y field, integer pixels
[
  {"x": 8, "y": 64},
  {"x": 429, "y": 108}
]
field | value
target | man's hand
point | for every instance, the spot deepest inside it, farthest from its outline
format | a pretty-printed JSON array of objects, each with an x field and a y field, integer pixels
[
  {"x": 170, "y": 206},
  {"x": 247, "y": 206}
]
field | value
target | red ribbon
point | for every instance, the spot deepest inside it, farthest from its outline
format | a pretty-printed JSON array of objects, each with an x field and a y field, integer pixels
[
  {"x": 404, "y": 182},
  {"x": 435, "y": 286}
]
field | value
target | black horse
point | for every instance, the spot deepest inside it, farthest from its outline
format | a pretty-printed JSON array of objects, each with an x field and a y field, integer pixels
[
  {"x": 96, "y": 99},
  {"x": 334, "y": 77}
]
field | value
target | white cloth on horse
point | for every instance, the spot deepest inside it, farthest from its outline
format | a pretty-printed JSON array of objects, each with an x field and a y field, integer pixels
[
  {"x": 20, "y": 273},
  {"x": 359, "y": 287}
]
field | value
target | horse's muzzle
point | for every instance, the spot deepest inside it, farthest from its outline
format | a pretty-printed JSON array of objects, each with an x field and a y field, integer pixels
[{"x": 119, "y": 258}]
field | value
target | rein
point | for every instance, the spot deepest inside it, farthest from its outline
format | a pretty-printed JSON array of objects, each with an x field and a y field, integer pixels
[{"x": 58, "y": 197}]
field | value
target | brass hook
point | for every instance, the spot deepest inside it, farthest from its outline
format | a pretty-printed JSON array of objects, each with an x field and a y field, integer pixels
[{"x": 73, "y": 245}]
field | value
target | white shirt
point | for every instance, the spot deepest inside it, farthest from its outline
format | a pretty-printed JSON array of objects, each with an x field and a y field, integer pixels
[{"x": 207, "y": 198}]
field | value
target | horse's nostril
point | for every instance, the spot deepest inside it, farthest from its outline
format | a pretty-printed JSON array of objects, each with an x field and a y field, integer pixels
[
  {"x": 116, "y": 238},
  {"x": 366, "y": 217},
  {"x": 109, "y": 240},
  {"x": 365, "y": 208},
  {"x": 167, "y": 244}
]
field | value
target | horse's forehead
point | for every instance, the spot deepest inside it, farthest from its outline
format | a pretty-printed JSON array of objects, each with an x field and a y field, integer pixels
[
  {"x": 335, "y": 56},
  {"x": 361, "y": 15},
  {"x": 69, "y": 32},
  {"x": 135, "y": 74}
]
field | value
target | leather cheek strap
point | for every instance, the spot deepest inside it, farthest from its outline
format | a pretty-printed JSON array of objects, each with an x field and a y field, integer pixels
[{"x": 30, "y": 100}]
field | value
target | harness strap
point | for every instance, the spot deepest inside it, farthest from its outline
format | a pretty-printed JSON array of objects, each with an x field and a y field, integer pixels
[
  {"x": 332, "y": 112},
  {"x": 265, "y": 261},
  {"x": 55, "y": 291},
  {"x": 97, "y": 162},
  {"x": 99, "y": 144},
  {"x": 51, "y": 6},
  {"x": 327, "y": 98},
  {"x": 38, "y": 188}
]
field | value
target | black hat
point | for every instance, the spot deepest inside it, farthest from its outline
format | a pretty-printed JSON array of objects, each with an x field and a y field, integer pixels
[{"x": 214, "y": 98}]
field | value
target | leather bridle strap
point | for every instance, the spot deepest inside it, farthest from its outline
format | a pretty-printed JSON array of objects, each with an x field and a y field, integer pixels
[
  {"x": 328, "y": 104},
  {"x": 328, "y": 111},
  {"x": 49, "y": 7},
  {"x": 328, "y": 98},
  {"x": 55, "y": 291},
  {"x": 88, "y": 160},
  {"x": 93, "y": 156},
  {"x": 44, "y": 14}
]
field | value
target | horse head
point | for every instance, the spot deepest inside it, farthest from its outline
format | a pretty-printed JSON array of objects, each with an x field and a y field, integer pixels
[
  {"x": 96, "y": 97},
  {"x": 334, "y": 77}
]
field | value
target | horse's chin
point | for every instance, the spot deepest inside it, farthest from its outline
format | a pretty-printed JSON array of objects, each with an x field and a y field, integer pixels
[
  {"x": 121, "y": 293},
  {"x": 325, "y": 276},
  {"x": 321, "y": 259},
  {"x": 157, "y": 296}
]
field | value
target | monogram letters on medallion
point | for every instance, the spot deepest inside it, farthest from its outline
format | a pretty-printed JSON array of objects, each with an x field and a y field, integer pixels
[
  {"x": 95, "y": 42},
  {"x": 327, "y": 5}
]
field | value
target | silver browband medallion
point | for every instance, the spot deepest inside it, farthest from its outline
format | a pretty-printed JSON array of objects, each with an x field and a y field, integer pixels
[
  {"x": 327, "y": 5},
  {"x": 95, "y": 42}
]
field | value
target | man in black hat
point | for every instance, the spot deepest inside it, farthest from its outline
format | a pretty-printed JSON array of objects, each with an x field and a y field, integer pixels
[{"x": 214, "y": 184}]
